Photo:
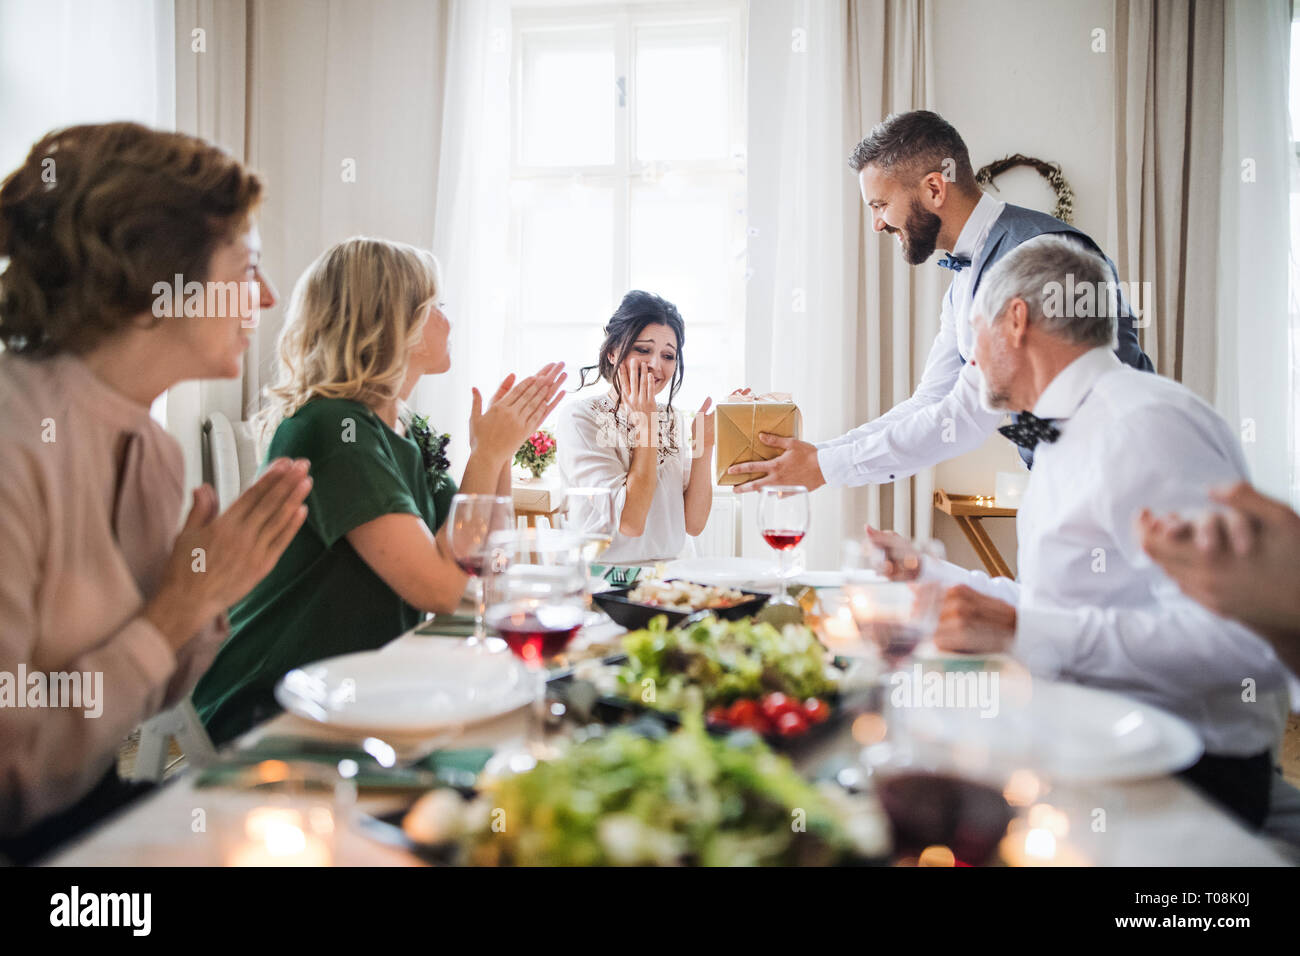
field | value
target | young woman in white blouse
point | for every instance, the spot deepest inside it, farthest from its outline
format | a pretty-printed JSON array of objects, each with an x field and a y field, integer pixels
[{"x": 625, "y": 440}]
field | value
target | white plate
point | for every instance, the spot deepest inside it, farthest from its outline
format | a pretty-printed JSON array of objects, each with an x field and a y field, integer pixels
[
  {"x": 725, "y": 572},
  {"x": 1068, "y": 732},
  {"x": 407, "y": 690}
]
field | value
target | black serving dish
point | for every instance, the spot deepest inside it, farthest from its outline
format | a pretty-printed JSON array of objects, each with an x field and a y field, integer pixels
[
  {"x": 635, "y": 616},
  {"x": 588, "y": 704}
]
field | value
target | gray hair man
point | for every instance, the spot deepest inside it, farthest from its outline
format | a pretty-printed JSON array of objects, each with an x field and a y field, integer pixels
[{"x": 1089, "y": 606}]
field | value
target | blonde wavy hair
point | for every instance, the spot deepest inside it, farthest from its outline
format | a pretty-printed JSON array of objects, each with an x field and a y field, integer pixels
[{"x": 354, "y": 319}]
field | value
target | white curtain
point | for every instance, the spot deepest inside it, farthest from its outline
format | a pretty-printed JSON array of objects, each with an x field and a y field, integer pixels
[
  {"x": 834, "y": 316},
  {"x": 1252, "y": 385},
  {"x": 80, "y": 61},
  {"x": 469, "y": 232}
]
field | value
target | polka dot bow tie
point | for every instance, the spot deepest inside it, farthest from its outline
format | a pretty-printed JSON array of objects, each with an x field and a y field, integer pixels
[
  {"x": 955, "y": 263},
  {"x": 1028, "y": 430}
]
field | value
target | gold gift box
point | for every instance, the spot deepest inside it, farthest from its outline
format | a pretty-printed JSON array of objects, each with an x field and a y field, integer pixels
[{"x": 738, "y": 426}]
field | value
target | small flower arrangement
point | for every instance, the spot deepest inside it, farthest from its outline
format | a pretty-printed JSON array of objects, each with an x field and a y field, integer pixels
[
  {"x": 433, "y": 448},
  {"x": 537, "y": 453}
]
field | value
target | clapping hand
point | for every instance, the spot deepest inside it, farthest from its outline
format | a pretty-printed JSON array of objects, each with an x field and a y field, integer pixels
[
  {"x": 1238, "y": 562},
  {"x": 516, "y": 410}
]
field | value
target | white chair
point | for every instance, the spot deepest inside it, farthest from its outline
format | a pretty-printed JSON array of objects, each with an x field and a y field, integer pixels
[
  {"x": 230, "y": 462},
  {"x": 231, "y": 457}
]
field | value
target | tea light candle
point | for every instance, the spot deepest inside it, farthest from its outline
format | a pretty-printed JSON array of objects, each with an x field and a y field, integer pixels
[
  {"x": 839, "y": 631},
  {"x": 1009, "y": 489},
  {"x": 279, "y": 837}
]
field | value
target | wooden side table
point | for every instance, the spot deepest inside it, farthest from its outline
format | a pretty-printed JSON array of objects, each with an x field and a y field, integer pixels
[
  {"x": 537, "y": 499},
  {"x": 968, "y": 511}
]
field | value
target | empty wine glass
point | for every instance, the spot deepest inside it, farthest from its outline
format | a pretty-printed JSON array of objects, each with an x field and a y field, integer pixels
[
  {"x": 589, "y": 513},
  {"x": 783, "y": 516},
  {"x": 471, "y": 522}
]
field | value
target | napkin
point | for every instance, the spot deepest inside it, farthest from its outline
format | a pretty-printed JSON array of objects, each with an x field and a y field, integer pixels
[
  {"x": 452, "y": 767},
  {"x": 448, "y": 625}
]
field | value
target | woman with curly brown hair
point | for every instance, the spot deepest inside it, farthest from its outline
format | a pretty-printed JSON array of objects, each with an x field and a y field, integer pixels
[{"x": 98, "y": 592}]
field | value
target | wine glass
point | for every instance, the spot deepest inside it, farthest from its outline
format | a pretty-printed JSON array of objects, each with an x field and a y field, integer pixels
[
  {"x": 783, "y": 516},
  {"x": 535, "y": 587},
  {"x": 536, "y": 584},
  {"x": 589, "y": 512},
  {"x": 471, "y": 522}
]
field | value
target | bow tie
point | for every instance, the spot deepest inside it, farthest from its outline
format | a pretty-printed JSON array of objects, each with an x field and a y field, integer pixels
[
  {"x": 955, "y": 263},
  {"x": 1027, "y": 430}
]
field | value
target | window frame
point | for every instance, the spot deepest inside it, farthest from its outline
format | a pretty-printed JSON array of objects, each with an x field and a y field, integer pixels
[{"x": 725, "y": 19}]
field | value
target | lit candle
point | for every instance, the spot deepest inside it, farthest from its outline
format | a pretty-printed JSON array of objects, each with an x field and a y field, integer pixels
[{"x": 280, "y": 837}]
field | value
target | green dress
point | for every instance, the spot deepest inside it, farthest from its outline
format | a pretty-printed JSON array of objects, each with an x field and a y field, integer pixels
[{"x": 321, "y": 599}]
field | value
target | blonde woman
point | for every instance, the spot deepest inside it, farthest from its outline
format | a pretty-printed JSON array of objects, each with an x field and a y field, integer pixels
[{"x": 364, "y": 324}]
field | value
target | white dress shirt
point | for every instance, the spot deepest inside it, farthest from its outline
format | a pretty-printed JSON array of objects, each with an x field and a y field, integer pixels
[
  {"x": 1091, "y": 606},
  {"x": 943, "y": 418},
  {"x": 594, "y": 450}
]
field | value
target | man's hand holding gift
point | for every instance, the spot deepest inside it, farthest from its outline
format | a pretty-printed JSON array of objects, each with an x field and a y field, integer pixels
[{"x": 796, "y": 465}]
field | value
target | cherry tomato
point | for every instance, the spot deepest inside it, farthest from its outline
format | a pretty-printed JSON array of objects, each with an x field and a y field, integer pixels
[
  {"x": 791, "y": 724},
  {"x": 742, "y": 712},
  {"x": 776, "y": 705},
  {"x": 718, "y": 715},
  {"x": 816, "y": 710}
]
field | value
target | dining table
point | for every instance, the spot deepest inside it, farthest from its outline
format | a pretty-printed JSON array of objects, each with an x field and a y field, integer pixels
[{"x": 1157, "y": 820}]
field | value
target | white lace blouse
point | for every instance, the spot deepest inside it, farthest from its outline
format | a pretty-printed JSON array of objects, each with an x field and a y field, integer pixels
[{"x": 594, "y": 449}]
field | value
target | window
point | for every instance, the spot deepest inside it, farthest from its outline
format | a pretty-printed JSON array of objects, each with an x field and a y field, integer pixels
[{"x": 627, "y": 172}]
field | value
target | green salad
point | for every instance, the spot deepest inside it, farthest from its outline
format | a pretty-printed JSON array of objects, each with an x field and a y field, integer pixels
[
  {"x": 725, "y": 660},
  {"x": 684, "y": 799}
]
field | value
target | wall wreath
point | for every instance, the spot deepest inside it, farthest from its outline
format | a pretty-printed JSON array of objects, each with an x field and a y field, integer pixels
[{"x": 1064, "y": 209}]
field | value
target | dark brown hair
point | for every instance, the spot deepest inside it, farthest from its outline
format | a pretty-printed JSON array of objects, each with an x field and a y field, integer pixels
[
  {"x": 96, "y": 215},
  {"x": 637, "y": 310},
  {"x": 910, "y": 145}
]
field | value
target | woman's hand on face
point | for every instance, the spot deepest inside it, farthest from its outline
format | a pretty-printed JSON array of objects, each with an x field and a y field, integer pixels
[
  {"x": 638, "y": 389},
  {"x": 217, "y": 559},
  {"x": 703, "y": 434},
  {"x": 515, "y": 412}
]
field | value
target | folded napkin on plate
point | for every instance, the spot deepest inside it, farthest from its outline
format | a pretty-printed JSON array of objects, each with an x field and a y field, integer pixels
[{"x": 626, "y": 575}]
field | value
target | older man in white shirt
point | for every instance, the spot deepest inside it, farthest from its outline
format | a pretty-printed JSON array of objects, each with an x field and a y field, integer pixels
[{"x": 1110, "y": 441}]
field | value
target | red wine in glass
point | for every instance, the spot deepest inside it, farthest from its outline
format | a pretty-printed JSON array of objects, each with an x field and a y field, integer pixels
[
  {"x": 535, "y": 634},
  {"x": 472, "y": 564},
  {"x": 783, "y": 540},
  {"x": 938, "y": 809},
  {"x": 896, "y": 639}
]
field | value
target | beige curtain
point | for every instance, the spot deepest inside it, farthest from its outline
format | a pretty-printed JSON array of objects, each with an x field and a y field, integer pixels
[
  {"x": 1164, "y": 216},
  {"x": 890, "y": 70}
]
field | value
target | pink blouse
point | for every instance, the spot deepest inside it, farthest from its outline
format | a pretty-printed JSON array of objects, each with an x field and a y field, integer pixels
[{"x": 80, "y": 553}]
